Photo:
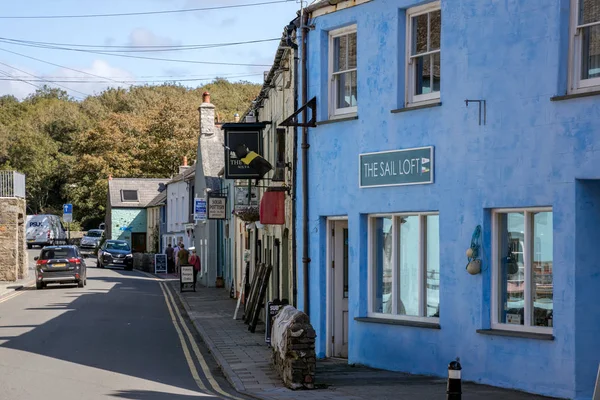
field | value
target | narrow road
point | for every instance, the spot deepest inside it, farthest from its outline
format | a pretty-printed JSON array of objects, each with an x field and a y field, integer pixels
[{"x": 121, "y": 337}]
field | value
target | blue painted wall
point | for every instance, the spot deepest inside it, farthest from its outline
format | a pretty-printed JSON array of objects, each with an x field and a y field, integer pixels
[
  {"x": 135, "y": 218},
  {"x": 514, "y": 54}
]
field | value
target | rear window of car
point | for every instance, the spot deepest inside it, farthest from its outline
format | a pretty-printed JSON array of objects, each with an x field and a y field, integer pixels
[
  {"x": 94, "y": 234},
  {"x": 59, "y": 252},
  {"x": 117, "y": 246}
]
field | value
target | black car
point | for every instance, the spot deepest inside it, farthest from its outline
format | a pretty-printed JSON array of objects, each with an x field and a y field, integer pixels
[
  {"x": 60, "y": 264},
  {"x": 91, "y": 241},
  {"x": 116, "y": 253}
]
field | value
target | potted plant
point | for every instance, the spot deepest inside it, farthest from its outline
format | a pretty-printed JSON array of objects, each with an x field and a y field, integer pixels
[{"x": 249, "y": 214}]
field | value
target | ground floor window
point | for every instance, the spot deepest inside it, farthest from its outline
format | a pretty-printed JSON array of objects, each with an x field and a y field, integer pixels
[
  {"x": 404, "y": 265},
  {"x": 523, "y": 262}
]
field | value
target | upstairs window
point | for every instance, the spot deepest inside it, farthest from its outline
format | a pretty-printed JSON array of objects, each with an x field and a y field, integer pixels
[
  {"x": 129, "y": 195},
  {"x": 342, "y": 71},
  {"x": 424, "y": 28},
  {"x": 585, "y": 45}
]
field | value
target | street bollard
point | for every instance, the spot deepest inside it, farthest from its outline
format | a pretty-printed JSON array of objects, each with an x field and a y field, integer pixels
[{"x": 454, "y": 390}]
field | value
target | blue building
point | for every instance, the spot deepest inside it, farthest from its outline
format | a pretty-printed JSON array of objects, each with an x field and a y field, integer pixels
[{"x": 443, "y": 126}]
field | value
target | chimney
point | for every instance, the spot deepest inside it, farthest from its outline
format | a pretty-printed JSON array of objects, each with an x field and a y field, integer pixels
[
  {"x": 236, "y": 117},
  {"x": 207, "y": 116},
  {"x": 184, "y": 163}
]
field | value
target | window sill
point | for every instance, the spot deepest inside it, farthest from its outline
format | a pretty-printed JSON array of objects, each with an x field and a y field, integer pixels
[
  {"x": 518, "y": 334},
  {"x": 351, "y": 117},
  {"x": 575, "y": 96},
  {"x": 402, "y": 322},
  {"x": 416, "y": 107}
]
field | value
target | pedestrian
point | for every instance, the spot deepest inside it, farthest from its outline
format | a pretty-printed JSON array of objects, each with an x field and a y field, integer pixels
[
  {"x": 176, "y": 258},
  {"x": 169, "y": 251},
  {"x": 195, "y": 261},
  {"x": 182, "y": 255}
]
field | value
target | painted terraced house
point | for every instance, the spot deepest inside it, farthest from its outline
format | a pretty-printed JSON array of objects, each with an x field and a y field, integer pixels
[{"x": 443, "y": 126}]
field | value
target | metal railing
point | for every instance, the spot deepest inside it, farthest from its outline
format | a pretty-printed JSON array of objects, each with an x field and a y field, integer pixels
[{"x": 12, "y": 184}]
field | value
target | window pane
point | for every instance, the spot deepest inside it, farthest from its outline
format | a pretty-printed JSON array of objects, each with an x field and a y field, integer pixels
[
  {"x": 352, "y": 50},
  {"x": 345, "y": 266},
  {"x": 435, "y": 29},
  {"x": 382, "y": 261},
  {"x": 433, "y": 265},
  {"x": 346, "y": 89},
  {"x": 419, "y": 34},
  {"x": 512, "y": 268},
  {"x": 542, "y": 269},
  {"x": 422, "y": 75},
  {"x": 590, "y": 57},
  {"x": 589, "y": 11},
  {"x": 340, "y": 53},
  {"x": 409, "y": 266},
  {"x": 437, "y": 72}
]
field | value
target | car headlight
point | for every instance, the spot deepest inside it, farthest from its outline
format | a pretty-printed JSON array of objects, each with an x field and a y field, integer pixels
[{"x": 129, "y": 255}]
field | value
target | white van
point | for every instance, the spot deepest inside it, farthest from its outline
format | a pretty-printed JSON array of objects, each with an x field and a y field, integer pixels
[{"x": 43, "y": 230}]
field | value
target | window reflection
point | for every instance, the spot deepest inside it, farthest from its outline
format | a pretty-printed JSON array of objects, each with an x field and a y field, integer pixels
[
  {"x": 542, "y": 269},
  {"x": 382, "y": 259},
  {"x": 433, "y": 265},
  {"x": 409, "y": 266},
  {"x": 512, "y": 276}
]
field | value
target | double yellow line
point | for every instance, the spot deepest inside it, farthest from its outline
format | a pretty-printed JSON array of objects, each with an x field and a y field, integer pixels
[
  {"x": 15, "y": 294},
  {"x": 179, "y": 323}
]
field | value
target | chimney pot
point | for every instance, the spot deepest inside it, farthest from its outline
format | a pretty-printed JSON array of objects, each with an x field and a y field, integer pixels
[
  {"x": 185, "y": 161},
  {"x": 206, "y": 97},
  {"x": 236, "y": 117}
]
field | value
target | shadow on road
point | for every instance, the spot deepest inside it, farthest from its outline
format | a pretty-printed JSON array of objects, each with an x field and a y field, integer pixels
[
  {"x": 125, "y": 329},
  {"x": 151, "y": 395}
]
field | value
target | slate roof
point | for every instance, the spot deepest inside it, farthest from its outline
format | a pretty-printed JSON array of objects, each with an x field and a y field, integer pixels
[
  {"x": 147, "y": 189},
  {"x": 159, "y": 200}
]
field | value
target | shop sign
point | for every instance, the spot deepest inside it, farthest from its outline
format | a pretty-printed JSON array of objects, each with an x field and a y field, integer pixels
[
  {"x": 244, "y": 197},
  {"x": 217, "y": 207},
  {"x": 249, "y": 135},
  {"x": 396, "y": 167}
]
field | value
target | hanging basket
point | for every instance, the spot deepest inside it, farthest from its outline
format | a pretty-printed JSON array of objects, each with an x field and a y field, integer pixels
[{"x": 250, "y": 214}]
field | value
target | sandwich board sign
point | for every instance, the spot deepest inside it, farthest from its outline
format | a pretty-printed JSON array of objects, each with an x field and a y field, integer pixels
[
  {"x": 160, "y": 263},
  {"x": 186, "y": 278}
]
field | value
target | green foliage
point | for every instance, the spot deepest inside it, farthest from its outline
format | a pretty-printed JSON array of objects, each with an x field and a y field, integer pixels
[{"x": 67, "y": 149}]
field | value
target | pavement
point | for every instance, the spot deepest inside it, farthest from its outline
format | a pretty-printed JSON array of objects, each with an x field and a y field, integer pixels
[
  {"x": 244, "y": 358},
  {"x": 8, "y": 288},
  {"x": 122, "y": 336}
]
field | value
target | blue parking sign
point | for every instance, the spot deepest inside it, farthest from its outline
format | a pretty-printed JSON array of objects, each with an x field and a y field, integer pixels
[{"x": 67, "y": 208}]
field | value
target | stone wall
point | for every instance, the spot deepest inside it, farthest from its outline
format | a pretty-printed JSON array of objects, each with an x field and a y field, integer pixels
[
  {"x": 13, "y": 254},
  {"x": 144, "y": 262},
  {"x": 293, "y": 344}
]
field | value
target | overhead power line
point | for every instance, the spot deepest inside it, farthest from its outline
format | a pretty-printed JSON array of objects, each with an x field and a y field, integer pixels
[
  {"x": 39, "y": 79},
  {"x": 134, "y": 48},
  {"x": 29, "y": 83},
  {"x": 130, "y": 14},
  {"x": 131, "y": 82},
  {"x": 132, "y": 56}
]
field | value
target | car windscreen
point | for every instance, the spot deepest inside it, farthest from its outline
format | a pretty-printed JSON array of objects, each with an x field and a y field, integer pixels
[
  {"x": 57, "y": 253},
  {"x": 117, "y": 246},
  {"x": 95, "y": 234}
]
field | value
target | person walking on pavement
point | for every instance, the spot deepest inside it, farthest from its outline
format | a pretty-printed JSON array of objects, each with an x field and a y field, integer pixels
[
  {"x": 176, "y": 258},
  {"x": 195, "y": 261},
  {"x": 169, "y": 251},
  {"x": 183, "y": 255}
]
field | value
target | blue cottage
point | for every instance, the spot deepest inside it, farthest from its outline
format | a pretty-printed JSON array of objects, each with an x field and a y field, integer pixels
[{"x": 453, "y": 134}]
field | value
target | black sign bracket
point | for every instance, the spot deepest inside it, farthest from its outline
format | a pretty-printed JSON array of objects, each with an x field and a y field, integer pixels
[{"x": 292, "y": 120}]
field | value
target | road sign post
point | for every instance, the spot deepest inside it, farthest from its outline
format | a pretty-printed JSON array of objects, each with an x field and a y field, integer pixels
[{"x": 68, "y": 217}]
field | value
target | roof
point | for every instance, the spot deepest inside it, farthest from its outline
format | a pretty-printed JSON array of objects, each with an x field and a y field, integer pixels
[
  {"x": 159, "y": 200},
  {"x": 147, "y": 190}
]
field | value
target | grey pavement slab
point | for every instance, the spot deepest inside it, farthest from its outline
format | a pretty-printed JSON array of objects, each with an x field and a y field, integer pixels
[
  {"x": 244, "y": 357},
  {"x": 7, "y": 288}
]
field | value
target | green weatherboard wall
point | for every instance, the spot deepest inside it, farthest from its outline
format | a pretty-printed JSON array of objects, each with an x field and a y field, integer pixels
[
  {"x": 397, "y": 167},
  {"x": 133, "y": 218}
]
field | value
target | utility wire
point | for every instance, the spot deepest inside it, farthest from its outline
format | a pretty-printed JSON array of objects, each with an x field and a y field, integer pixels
[
  {"x": 132, "y": 82},
  {"x": 29, "y": 83},
  {"x": 138, "y": 57},
  {"x": 141, "y": 13},
  {"x": 132, "y": 48},
  {"x": 39, "y": 79}
]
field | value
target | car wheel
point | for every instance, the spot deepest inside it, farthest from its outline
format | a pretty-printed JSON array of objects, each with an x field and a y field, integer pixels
[
  {"x": 39, "y": 285},
  {"x": 29, "y": 246},
  {"x": 80, "y": 284},
  {"x": 85, "y": 282}
]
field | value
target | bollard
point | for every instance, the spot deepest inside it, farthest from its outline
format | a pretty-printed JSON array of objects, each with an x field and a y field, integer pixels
[{"x": 453, "y": 390}]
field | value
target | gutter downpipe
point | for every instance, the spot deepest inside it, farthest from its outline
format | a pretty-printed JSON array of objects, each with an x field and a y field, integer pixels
[
  {"x": 305, "y": 146},
  {"x": 294, "y": 47}
]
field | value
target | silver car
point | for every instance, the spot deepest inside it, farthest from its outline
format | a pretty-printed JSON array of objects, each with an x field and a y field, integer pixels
[{"x": 91, "y": 242}]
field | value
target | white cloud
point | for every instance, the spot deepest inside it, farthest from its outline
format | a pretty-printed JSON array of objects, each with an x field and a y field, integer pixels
[{"x": 145, "y": 37}]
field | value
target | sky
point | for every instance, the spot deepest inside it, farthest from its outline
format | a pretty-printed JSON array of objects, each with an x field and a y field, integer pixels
[{"x": 83, "y": 73}]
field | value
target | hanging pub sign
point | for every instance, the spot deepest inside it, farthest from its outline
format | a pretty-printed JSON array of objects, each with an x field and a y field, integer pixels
[
  {"x": 237, "y": 135},
  {"x": 245, "y": 197},
  {"x": 217, "y": 207}
]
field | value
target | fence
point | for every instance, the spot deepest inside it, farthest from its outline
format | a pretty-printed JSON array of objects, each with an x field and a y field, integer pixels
[{"x": 12, "y": 184}]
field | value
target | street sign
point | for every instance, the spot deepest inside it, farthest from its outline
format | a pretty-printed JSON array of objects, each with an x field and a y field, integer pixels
[
  {"x": 217, "y": 207},
  {"x": 67, "y": 208},
  {"x": 68, "y": 217},
  {"x": 160, "y": 263},
  {"x": 186, "y": 278},
  {"x": 199, "y": 209},
  {"x": 237, "y": 134},
  {"x": 396, "y": 167}
]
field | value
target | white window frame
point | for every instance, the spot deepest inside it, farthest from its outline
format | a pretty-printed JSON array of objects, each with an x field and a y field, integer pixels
[
  {"x": 576, "y": 84},
  {"x": 527, "y": 249},
  {"x": 396, "y": 257},
  {"x": 412, "y": 99},
  {"x": 332, "y": 95}
]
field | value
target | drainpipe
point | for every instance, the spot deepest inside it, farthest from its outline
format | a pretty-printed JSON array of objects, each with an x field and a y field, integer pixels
[
  {"x": 292, "y": 27},
  {"x": 305, "y": 146}
]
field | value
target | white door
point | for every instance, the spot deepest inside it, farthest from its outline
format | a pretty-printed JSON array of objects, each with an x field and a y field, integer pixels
[{"x": 339, "y": 273}]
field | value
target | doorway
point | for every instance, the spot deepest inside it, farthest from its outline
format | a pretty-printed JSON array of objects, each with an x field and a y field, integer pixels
[
  {"x": 338, "y": 287},
  {"x": 138, "y": 242}
]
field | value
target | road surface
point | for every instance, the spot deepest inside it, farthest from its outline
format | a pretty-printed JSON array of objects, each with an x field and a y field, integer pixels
[{"x": 121, "y": 337}]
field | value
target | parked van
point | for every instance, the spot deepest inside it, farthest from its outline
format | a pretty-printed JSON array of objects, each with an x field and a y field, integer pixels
[{"x": 44, "y": 230}]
